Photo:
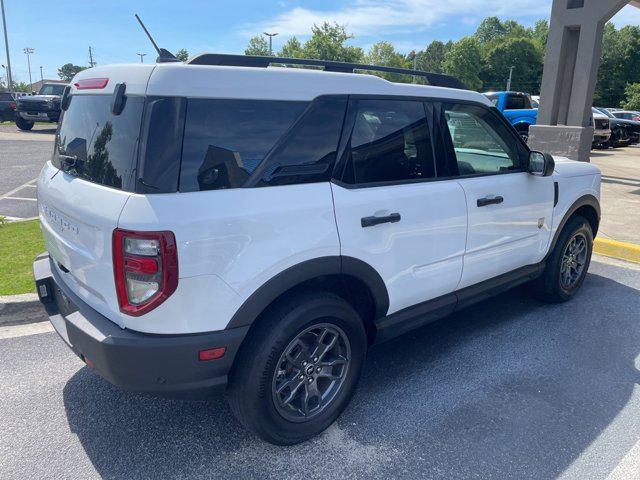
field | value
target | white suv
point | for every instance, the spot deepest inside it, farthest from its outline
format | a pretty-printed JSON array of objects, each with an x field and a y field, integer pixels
[{"x": 219, "y": 223}]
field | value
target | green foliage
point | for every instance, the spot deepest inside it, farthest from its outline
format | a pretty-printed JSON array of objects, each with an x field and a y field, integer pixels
[
  {"x": 258, "y": 45},
  {"x": 481, "y": 61},
  {"x": 21, "y": 87},
  {"x": 292, "y": 49},
  {"x": 68, "y": 71},
  {"x": 182, "y": 55},
  {"x": 464, "y": 61},
  {"x": 327, "y": 42},
  {"x": 633, "y": 97},
  {"x": 521, "y": 53},
  {"x": 384, "y": 54}
]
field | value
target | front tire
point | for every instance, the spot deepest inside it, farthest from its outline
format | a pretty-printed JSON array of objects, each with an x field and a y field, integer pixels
[
  {"x": 23, "y": 124},
  {"x": 568, "y": 264},
  {"x": 298, "y": 368}
]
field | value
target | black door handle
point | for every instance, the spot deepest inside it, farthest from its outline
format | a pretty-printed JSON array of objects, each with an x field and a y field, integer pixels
[
  {"x": 373, "y": 221},
  {"x": 483, "y": 202}
]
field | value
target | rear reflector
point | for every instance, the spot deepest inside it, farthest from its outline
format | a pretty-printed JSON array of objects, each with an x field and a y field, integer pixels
[
  {"x": 91, "y": 83},
  {"x": 211, "y": 354}
]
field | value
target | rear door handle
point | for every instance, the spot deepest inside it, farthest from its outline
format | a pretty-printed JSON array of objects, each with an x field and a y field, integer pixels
[
  {"x": 483, "y": 202},
  {"x": 373, "y": 221}
]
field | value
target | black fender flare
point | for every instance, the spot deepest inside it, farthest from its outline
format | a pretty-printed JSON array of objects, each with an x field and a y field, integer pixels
[
  {"x": 585, "y": 200},
  {"x": 308, "y": 270}
]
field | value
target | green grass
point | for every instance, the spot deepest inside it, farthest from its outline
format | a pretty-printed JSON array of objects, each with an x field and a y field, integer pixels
[{"x": 20, "y": 242}]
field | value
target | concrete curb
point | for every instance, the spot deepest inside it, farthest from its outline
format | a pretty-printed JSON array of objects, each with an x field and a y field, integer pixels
[
  {"x": 20, "y": 309},
  {"x": 615, "y": 249}
]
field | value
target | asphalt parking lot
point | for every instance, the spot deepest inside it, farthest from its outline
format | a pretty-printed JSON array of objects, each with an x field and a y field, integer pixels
[
  {"x": 511, "y": 388},
  {"x": 22, "y": 155}
]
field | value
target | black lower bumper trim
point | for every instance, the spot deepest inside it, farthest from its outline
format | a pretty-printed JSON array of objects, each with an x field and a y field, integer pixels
[{"x": 133, "y": 360}]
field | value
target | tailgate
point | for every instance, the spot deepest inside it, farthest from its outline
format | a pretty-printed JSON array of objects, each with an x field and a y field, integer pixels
[{"x": 78, "y": 218}]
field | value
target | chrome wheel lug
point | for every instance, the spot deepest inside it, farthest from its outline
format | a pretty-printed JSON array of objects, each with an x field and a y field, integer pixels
[
  {"x": 315, "y": 359},
  {"x": 301, "y": 377},
  {"x": 304, "y": 364}
]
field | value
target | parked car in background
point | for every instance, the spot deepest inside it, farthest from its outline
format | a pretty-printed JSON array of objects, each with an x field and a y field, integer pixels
[
  {"x": 7, "y": 107},
  {"x": 623, "y": 132},
  {"x": 261, "y": 228},
  {"x": 43, "y": 107},
  {"x": 601, "y": 129},
  {"x": 627, "y": 115},
  {"x": 518, "y": 109}
]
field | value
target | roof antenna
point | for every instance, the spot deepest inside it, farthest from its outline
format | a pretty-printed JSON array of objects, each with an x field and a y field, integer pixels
[{"x": 164, "y": 55}]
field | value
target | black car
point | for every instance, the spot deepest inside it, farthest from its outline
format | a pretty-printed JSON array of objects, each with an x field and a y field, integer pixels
[
  {"x": 623, "y": 132},
  {"x": 7, "y": 107},
  {"x": 43, "y": 107}
]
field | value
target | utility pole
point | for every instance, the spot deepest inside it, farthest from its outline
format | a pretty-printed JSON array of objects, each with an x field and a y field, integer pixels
[
  {"x": 6, "y": 44},
  {"x": 41, "y": 76},
  {"x": 141, "y": 57},
  {"x": 28, "y": 51},
  {"x": 415, "y": 66},
  {"x": 91, "y": 62},
  {"x": 510, "y": 77},
  {"x": 270, "y": 35}
]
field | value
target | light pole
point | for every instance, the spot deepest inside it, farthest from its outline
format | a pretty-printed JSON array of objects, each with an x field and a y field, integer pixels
[
  {"x": 41, "y": 76},
  {"x": 28, "y": 51},
  {"x": 6, "y": 45},
  {"x": 6, "y": 75},
  {"x": 510, "y": 77},
  {"x": 270, "y": 35},
  {"x": 141, "y": 57}
]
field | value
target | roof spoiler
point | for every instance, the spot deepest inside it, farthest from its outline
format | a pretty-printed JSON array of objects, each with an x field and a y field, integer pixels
[{"x": 434, "y": 79}]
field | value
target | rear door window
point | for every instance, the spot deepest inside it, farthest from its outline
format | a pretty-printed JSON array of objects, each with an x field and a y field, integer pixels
[
  {"x": 390, "y": 142},
  {"x": 226, "y": 140},
  {"x": 96, "y": 145}
]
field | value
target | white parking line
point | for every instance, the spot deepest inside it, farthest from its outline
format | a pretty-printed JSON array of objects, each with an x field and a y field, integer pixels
[
  {"x": 17, "y": 189},
  {"x": 24, "y": 330},
  {"x": 20, "y": 198}
]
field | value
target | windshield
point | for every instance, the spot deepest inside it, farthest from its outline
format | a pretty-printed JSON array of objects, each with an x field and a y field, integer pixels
[
  {"x": 603, "y": 112},
  {"x": 52, "y": 89}
]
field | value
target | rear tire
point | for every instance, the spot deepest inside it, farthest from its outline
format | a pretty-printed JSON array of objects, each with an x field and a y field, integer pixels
[
  {"x": 568, "y": 264},
  {"x": 283, "y": 358},
  {"x": 23, "y": 124}
]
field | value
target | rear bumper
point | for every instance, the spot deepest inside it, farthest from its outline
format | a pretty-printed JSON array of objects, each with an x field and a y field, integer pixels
[{"x": 133, "y": 360}]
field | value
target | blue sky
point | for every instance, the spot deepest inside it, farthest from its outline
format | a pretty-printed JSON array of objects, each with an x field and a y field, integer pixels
[{"x": 61, "y": 31}]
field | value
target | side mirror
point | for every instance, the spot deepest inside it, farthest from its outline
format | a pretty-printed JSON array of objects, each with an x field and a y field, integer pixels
[{"x": 541, "y": 164}]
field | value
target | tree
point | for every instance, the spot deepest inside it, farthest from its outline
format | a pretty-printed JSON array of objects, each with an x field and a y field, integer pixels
[
  {"x": 327, "y": 42},
  {"x": 633, "y": 97},
  {"x": 292, "y": 49},
  {"x": 182, "y": 55},
  {"x": 384, "y": 54},
  {"x": 21, "y": 87},
  {"x": 464, "y": 62},
  {"x": 432, "y": 58},
  {"x": 68, "y": 71},
  {"x": 490, "y": 30},
  {"x": 522, "y": 54},
  {"x": 541, "y": 34},
  {"x": 258, "y": 45}
]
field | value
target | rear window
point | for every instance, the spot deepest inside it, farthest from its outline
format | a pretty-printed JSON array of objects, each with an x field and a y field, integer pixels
[
  {"x": 518, "y": 102},
  {"x": 96, "y": 145},
  {"x": 226, "y": 140},
  {"x": 5, "y": 96}
]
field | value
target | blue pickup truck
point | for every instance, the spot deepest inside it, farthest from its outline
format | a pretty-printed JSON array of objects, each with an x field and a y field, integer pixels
[{"x": 516, "y": 106}]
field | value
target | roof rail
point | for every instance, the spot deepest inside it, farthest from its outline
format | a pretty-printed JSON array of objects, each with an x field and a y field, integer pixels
[{"x": 434, "y": 79}]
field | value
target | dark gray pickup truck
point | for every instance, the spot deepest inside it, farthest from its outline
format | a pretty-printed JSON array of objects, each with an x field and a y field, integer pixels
[{"x": 43, "y": 107}]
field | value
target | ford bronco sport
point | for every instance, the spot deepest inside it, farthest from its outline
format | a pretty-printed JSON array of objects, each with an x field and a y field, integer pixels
[{"x": 220, "y": 223}]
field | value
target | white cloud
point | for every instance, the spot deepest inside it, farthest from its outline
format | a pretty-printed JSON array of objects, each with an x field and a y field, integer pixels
[{"x": 371, "y": 17}]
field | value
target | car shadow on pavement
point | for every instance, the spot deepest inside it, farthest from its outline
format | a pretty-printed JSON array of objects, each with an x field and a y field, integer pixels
[{"x": 510, "y": 388}]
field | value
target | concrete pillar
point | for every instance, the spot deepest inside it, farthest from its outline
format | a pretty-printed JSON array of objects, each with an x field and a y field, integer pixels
[{"x": 569, "y": 79}]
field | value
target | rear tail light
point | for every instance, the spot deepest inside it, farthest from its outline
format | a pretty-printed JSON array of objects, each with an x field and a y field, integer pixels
[
  {"x": 12, "y": 106},
  {"x": 145, "y": 266}
]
